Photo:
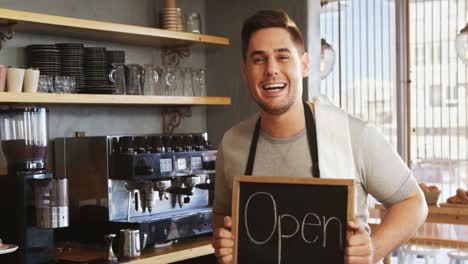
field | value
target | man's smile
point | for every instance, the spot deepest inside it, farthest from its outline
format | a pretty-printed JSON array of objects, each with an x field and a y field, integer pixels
[{"x": 277, "y": 86}]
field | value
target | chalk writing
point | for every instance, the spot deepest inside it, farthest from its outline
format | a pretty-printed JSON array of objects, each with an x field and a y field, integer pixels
[{"x": 281, "y": 221}]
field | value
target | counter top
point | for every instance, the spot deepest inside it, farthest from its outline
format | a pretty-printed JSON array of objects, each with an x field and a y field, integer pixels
[
  {"x": 188, "y": 249},
  {"x": 444, "y": 215}
]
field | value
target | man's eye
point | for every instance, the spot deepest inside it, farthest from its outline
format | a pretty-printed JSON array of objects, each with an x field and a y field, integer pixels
[
  {"x": 258, "y": 60},
  {"x": 284, "y": 58}
]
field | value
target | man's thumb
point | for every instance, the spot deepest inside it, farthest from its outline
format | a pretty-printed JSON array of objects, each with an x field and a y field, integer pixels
[
  {"x": 227, "y": 222},
  {"x": 357, "y": 227}
]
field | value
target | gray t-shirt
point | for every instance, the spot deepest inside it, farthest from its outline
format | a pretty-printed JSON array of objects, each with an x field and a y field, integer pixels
[{"x": 380, "y": 171}]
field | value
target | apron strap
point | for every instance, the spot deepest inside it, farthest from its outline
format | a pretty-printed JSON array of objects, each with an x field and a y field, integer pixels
[
  {"x": 312, "y": 138},
  {"x": 253, "y": 149}
]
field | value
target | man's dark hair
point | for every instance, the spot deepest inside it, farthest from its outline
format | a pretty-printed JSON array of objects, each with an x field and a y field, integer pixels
[{"x": 268, "y": 19}]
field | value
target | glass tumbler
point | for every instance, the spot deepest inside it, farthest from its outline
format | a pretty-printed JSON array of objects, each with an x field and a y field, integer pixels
[
  {"x": 188, "y": 82},
  {"x": 199, "y": 82},
  {"x": 46, "y": 84},
  {"x": 169, "y": 81},
  {"x": 179, "y": 81}
]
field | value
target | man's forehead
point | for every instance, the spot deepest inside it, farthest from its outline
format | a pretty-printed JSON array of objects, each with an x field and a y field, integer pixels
[{"x": 271, "y": 40}]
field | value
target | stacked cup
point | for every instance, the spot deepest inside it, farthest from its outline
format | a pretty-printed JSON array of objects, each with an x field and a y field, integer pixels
[
  {"x": 20, "y": 80},
  {"x": 171, "y": 16},
  {"x": 172, "y": 19}
]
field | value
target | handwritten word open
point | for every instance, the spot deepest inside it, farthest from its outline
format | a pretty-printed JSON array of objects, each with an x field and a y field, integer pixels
[{"x": 308, "y": 220}]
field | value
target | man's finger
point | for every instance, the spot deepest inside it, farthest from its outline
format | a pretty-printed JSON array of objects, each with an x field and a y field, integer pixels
[
  {"x": 358, "y": 260},
  {"x": 357, "y": 226},
  {"x": 359, "y": 240},
  {"x": 227, "y": 222},
  {"x": 221, "y": 252},
  {"x": 224, "y": 252},
  {"x": 223, "y": 243},
  {"x": 225, "y": 259},
  {"x": 364, "y": 250},
  {"x": 222, "y": 233}
]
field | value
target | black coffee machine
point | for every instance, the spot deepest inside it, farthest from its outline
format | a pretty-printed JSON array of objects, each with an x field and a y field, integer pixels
[{"x": 33, "y": 201}]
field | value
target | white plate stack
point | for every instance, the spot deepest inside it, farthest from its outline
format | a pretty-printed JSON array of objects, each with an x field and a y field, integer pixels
[{"x": 171, "y": 19}]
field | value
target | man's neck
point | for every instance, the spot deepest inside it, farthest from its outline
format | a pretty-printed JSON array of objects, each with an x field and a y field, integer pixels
[{"x": 286, "y": 125}]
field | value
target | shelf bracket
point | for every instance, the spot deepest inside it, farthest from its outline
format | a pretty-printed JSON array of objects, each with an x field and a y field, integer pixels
[
  {"x": 173, "y": 116},
  {"x": 172, "y": 57},
  {"x": 10, "y": 32}
]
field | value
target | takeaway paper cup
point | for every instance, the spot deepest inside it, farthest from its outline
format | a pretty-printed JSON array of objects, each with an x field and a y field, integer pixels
[
  {"x": 31, "y": 81},
  {"x": 15, "y": 77}
]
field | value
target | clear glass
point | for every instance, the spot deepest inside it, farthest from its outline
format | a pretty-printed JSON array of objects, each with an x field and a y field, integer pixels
[
  {"x": 169, "y": 81},
  {"x": 193, "y": 23},
  {"x": 23, "y": 132},
  {"x": 151, "y": 80},
  {"x": 199, "y": 82},
  {"x": 117, "y": 77},
  {"x": 202, "y": 80},
  {"x": 159, "y": 87},
  {"x": 179, "y": 81},
  {"x": 45, "y": 84},
  {"x": 135, "y": 72},
  {"x": 64, "y": 84},
  {"x": 188, "y": 82}
]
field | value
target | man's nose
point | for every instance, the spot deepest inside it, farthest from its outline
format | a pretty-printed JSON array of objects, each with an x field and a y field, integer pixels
[{"x": 272, "y": 68}]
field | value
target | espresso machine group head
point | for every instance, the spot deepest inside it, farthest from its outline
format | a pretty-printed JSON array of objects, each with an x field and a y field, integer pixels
[{"x": 35, "y": 202}]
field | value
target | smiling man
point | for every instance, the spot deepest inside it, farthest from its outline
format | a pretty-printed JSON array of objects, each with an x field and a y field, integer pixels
[{"x": 275, "y": 142}]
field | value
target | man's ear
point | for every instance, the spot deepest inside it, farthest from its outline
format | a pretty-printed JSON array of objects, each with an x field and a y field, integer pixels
[
  {"x": 305, "y": 63},
  {"x": 244, "y": 69}
]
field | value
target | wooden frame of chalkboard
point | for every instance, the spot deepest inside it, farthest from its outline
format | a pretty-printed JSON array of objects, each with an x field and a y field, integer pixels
[{"x": 307, "y": 206}]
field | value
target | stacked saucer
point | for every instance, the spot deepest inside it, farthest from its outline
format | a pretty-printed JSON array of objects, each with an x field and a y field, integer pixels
[
  {"x": 115, "y": 56},
  {"x": 96, "y": 71},
  {"x": 171, "y": 19},
  {"x": 72, "y": 62},
  {"x": 46, "y": 58}
]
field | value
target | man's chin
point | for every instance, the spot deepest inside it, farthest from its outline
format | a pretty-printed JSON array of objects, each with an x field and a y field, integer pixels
[{"x": 275, "y": 110}]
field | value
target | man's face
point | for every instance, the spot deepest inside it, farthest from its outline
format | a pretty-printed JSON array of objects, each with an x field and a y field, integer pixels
[{"x": 273, "y": 70}]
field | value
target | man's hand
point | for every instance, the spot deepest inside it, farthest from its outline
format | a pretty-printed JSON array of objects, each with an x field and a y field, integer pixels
[
  {"x": 360, "y": 249},
  {"x": 223, "y": 243}
]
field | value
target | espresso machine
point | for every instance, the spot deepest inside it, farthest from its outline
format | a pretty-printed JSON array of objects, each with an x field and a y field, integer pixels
[
  {"x": 158, "y": 184},
  {"x": 34, "y": 202}
]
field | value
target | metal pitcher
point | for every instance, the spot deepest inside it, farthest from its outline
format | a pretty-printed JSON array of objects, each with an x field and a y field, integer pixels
[{"x": 129, "y": 243}]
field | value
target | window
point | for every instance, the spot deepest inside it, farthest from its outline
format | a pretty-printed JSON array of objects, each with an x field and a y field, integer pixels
[
  {"x": 439, "y": 127},
  {"x": 366, "y": 37},
  {"x": 363, "y": 79}
]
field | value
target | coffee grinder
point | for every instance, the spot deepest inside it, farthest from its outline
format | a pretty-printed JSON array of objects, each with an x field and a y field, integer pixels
[{"x": 33, "y": 201}]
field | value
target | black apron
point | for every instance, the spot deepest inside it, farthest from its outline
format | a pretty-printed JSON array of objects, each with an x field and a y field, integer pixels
[{"x": 311, "y": 136}]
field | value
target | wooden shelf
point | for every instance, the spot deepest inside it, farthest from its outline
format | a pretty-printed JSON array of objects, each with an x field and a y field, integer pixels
[
  {"x": 196, "y": 247},
  {"x": 105, "y": 99},
  {"x": 191, "y": 248},
  {"x": 97, "y": 30}
]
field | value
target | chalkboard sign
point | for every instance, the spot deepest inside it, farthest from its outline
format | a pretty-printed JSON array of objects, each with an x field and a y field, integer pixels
[{"x": 290, "y": 220}]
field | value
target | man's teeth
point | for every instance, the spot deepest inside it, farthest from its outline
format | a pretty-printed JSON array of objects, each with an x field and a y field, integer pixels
[{"x": 274, "y": 86}]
